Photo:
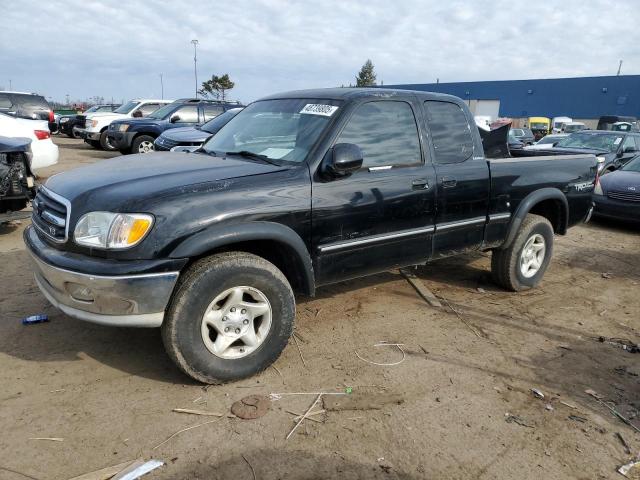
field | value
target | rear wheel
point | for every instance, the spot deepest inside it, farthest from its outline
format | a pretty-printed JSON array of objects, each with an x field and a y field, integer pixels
[
  {"x": 231, "y": 316},
  {"x": 105, "y": 143},
  {"x": 142, "y": 144},
  {"x": 522, "y": 265}
]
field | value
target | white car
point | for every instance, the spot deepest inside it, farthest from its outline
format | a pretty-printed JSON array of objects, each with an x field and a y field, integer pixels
[
  {"x": 45, "y": 152},
  {"x": 96, "y": 124},
  {"x": 548, "y": 141}
]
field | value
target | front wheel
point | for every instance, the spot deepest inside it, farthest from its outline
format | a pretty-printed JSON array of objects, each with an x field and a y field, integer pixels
[
  {"x": 231, "y": 316},
  {"x": 105, "y": 143},
  {"x": 142, "y": 144},
  {"x": 522, "y": 265}
]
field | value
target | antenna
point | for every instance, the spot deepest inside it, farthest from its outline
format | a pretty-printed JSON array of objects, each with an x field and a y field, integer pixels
[{"x": 619, "y": 68}]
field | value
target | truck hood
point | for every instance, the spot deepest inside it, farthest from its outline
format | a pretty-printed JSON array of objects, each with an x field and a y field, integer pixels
[
  {"x": 140, "y": 176},
  {"x": 186, "y": 134}
]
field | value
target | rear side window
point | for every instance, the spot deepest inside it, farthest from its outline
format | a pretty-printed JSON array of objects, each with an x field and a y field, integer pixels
[
  {"x": 188, "y": 114},
  {"x": 212, "y": 111},
  {"x": 450, "y": 133},
  {"x": 386, "y": 132}
]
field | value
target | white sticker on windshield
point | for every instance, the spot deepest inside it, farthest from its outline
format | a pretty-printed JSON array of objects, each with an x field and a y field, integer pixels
[
  {"x": 276, "y": 153},
  {"x": 319, "y": 109},
  {"x": 618, "y": 140}
]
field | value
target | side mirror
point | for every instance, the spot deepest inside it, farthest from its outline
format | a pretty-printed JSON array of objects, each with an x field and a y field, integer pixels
[
  {"x": 344, "y": 159},
  {"x": 174, "y": 118},
  {"x": 628, "y": 149},
  {"x": 137, "y": 114}
]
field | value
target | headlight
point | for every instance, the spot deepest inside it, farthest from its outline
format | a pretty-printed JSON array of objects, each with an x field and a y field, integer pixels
[
  {"x": 94, "y": 123},
  {"x": 64, "y": 119},
  {"x": 601, "y": 161},
  {"x": 112, "y": 230},
  {"x": 123, "y": 127}
]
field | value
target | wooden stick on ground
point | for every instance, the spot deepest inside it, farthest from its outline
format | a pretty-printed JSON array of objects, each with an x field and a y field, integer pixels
[
  {"x": 304, "y": 416},
  {"x": 250, "y": 466},
  {"x": 295, "y": 339},
  {"x": 421, "y": 288},
  {"x": 185, "y": 429}
]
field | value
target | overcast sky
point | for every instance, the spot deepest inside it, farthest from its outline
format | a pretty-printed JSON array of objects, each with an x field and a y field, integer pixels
[{"x": 118, "y": 48}]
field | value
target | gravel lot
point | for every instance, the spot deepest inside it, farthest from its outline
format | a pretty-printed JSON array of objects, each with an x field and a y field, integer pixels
[{"x": 467, "y": 413}]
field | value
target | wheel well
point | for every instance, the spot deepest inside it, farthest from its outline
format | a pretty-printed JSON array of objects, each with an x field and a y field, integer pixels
[
  {"x": 553, "y": 211},
  {"x": 281, "y": 255}
]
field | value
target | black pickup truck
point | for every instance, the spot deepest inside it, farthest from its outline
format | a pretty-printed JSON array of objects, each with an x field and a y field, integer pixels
[{"x": 337, "y": 184}]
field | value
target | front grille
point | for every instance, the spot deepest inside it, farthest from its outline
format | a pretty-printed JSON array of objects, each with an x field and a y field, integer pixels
[
  {"x": 81, "y": 121},
  {"x": 628, "y": 196},
  {"x": 165, "y": 143},
  {"x": 50, "y": 215}
]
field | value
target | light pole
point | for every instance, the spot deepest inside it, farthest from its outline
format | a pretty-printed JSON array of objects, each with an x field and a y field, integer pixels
[
  {"x": 195, "y": 62},
  {"x": 161, "y": 87}
]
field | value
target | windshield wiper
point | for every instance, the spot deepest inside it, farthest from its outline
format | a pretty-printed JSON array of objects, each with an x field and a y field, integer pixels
[{"x": 257, "y": 156}]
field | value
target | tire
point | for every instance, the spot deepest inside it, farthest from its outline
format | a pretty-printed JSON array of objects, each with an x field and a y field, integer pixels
[
  {"x": 141, "y": 144},
  {"x": 191, "y": 344},
  {"x": 507, "y": 264},
  {"x": 105, "y": 144},
  {"x": 71, "y": 135},
  {"x": 94, "y": 144}
]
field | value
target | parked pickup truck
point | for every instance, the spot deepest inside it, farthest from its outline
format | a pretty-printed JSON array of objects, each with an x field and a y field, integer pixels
[
  {"x": 298, "y": 191},
  {"x": 92, "y": 127}
]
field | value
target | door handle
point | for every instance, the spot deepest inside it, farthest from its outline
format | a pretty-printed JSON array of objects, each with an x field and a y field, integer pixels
[
  {"x": 449, "y": 182},
  {"x": 420, "y": 184}
]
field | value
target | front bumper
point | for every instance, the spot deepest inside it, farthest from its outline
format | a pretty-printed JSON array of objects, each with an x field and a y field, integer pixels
[
  {"x": 129, "y": 300},
  {"x": 88, "y": 135},
  {"x": 617, "y": 209},
  {"x": 120, "y": 140}
]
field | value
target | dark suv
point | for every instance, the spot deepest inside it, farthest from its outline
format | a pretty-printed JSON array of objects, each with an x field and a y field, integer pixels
[
  {"x": 27, "y": 105},
  {"x": 137, "y": 135},
  {"x": 68, "y": 122}
]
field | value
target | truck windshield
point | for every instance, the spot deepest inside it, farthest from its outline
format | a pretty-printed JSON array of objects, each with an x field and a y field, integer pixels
[
  {"x": 127, "y": 107},
  {"x": 283, "y": 129},
  {"x": 592, "y": 141}
]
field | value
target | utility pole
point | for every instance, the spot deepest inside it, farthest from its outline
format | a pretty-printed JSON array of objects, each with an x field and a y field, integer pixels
[
  {"x": 10, "y": 88},
  {"x": 195, "y": 62},
  {"x": 161, "y": 87},
  {"x": 619, "y": 67},
  {"x": 67, "y": 95}
]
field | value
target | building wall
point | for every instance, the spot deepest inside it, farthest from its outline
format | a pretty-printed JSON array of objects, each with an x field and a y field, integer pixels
[{"x": 578, "y": 98}]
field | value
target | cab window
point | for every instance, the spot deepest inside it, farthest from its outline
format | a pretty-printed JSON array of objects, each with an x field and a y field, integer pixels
[
  {"x": 386, "y": 132},
  {"x": 450, "y": 133}
]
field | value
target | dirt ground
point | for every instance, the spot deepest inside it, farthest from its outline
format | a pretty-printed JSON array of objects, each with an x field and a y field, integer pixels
[{"x": 467, "y": 413}]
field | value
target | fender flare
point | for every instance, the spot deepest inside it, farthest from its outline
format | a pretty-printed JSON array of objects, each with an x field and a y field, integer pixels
[
  {"x": 528, "y": 203},
  {"x": 219, "y": 236}
]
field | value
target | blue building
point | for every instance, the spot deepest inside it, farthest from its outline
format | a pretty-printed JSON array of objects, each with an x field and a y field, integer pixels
[{"x": 581, "y": 98}]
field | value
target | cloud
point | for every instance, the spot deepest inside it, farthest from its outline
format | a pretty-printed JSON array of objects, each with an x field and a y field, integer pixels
[{"x": 118, "y": 49}]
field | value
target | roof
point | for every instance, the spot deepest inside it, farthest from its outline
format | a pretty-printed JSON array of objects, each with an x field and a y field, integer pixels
[
  {"x": 580, "y": 97},
  {"x": 352, "y": 93}
]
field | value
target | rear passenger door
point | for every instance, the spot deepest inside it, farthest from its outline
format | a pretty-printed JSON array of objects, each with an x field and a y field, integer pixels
[
  {"x": 380, "y": 216},
  {"x": 462, "y": 179}
]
